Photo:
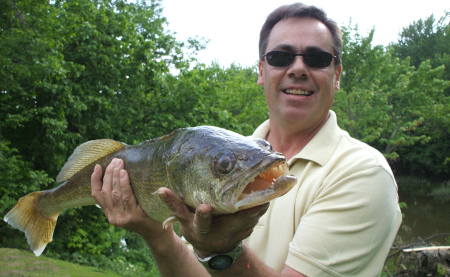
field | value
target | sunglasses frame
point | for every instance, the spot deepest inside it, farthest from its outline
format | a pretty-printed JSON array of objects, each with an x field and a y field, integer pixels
[{"x": 306, "y": 58}]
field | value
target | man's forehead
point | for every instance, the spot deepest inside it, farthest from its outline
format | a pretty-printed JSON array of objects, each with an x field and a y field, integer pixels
[{"x": 300, "y": 34}]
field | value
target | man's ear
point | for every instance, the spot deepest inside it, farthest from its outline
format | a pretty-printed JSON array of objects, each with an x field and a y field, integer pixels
[
  {"x": 337, "y": 78},
  {"x": 261, "y": 73}
]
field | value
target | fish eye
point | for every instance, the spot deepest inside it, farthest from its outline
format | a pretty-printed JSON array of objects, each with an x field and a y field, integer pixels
[
  {"x": 265, "y": 144},
  {"x": 225, "y": 162}
]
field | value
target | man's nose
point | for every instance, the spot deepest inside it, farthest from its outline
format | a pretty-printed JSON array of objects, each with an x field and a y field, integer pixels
[{"x": 298, "y": 68}]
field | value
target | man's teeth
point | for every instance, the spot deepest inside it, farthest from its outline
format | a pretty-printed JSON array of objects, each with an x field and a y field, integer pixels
[{"x": 298, "y": 92}]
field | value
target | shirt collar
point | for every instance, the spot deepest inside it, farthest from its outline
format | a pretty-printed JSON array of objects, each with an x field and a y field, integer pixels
[{"x": 320, "y": 148}]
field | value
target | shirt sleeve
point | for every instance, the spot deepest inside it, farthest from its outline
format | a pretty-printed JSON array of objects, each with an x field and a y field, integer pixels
[{"x": 352, "y": 222}]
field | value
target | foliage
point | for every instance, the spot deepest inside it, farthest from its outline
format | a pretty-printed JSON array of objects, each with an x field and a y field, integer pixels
[
  {"x": 242, "y": 97},
  {"x": 73, "y": 71},
  {"x": 114, "y": 248},
  {"x": 232, "y": 95},
  {"x": 354, "y": 102},
  {"x": 426, "y": 40},
  {"x": 17, "y": 179},
  {"x": 80, "y": 70},
  {"x": 386, "y": 102},
  {"x": 421, "y": 41}
]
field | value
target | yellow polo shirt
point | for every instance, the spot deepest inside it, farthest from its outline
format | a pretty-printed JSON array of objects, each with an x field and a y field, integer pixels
[{"x": 341, "y": 217}]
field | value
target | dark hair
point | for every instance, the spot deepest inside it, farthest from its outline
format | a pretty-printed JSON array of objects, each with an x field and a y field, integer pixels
[{"x": 300, "y": 10}]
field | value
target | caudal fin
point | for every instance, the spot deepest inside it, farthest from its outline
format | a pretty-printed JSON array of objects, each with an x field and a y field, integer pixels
[{"x": 27, "y": 217}]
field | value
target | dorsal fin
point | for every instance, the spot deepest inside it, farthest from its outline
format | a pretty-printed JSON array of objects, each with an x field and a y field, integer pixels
[
  {"x": 87, "y": 153},
  {"x": 164, "y": 137}
]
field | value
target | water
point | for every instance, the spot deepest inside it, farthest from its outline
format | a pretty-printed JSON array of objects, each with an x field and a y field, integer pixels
[{"x": 425, "y": 216}]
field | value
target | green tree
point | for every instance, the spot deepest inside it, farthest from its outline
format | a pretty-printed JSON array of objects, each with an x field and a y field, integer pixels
[
  {"x": 243, "y": 97},
  {"x": 383, "y": 101},
  {"x": 360, "y": 78},
  {"x": 412, "y": 97},
  {"x": 428, "y": 40},
  {"x": 73, "y": 71},
  {"x": 230, "y": 96}
]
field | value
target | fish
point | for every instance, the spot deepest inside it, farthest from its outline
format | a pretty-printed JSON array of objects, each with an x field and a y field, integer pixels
[{"x": 201, "y": 165}]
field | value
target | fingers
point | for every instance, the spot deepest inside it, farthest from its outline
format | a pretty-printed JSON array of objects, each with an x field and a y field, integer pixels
[
  {"x": 129, "y": 201},
  {"x": 208, "y": 233},
  {"x": 179, "y": 209},
  {"x": 256, "y": 212},
  {"x": 203, "y": 220},
  {"x": 116, "y": 193},
  {"x": 96, "y": 183},
  {"x": 249, "y": 218},
  {"x": 108, "y": 193},
  {"x": 107, "y": 185}
]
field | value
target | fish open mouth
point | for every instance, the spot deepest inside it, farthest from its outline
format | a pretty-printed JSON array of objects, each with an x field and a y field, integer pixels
[{"x": 271, "y": 183}]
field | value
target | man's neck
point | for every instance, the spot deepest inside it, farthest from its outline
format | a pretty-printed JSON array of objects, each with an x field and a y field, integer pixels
[{"x": 289, "y": 139}]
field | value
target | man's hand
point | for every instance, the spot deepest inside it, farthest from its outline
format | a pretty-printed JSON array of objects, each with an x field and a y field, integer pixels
[
  {"x": 212, "y": 234},
  {"x": 207, "y": 233},
  {"x": 115, "y": 195}
]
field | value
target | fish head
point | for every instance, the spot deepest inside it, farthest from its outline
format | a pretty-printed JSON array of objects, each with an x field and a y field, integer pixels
[{"x": 228, "y": 171}]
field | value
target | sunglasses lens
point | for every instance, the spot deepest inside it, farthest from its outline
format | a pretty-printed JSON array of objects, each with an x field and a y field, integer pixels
[
  {"x": 318, "y": 59},
  {"x": 314, "y": 59},
  {"x": 280, "y": 59}
]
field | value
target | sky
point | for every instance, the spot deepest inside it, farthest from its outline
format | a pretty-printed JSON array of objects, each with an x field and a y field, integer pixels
[{"x": 232, "y": 26}]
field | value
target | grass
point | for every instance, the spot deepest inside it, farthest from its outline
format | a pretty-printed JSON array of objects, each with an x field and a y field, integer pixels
[{"x": 15, "y": 262}]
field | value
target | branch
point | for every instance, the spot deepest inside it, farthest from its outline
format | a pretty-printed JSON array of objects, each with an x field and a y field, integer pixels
[
  {"x": 389, "y": 149},
  {"x": 415, "y": 244}
]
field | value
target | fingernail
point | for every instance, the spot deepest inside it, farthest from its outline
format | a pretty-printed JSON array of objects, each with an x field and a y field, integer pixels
[
  {"x": 117, "y": 163},
  {"x": 205, "y": 215}
]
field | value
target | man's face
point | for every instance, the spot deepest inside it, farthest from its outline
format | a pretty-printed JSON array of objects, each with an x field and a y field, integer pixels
[{"x": 297, "y": 93}]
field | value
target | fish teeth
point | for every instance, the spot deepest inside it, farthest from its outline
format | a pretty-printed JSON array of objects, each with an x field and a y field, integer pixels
[{"x": 264, "y": 175}]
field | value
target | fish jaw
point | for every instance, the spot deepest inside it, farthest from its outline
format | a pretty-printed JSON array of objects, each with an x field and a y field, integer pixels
[
  {"x": 267, "y": 183},
  {"x": 278, "y": 188}
]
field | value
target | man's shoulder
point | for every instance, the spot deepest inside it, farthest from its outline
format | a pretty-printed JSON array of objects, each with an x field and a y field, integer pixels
[{"x": 355, "y": 153}]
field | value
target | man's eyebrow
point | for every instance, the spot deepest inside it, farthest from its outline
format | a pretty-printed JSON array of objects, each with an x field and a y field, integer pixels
[
  {"x": 285, "y": 47},
  {"x": 292, "y": 49},
  {"x": 310, "y": 49}
]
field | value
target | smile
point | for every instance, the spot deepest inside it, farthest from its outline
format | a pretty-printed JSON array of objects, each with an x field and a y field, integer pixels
[{"x": 298, "y": 92}]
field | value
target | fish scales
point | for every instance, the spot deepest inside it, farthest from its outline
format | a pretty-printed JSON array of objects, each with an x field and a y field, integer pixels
[{"x": 201, "y": 165}]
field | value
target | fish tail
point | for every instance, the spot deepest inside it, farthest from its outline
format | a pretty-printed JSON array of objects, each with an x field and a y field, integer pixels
[{"x": 28, "y": 218}]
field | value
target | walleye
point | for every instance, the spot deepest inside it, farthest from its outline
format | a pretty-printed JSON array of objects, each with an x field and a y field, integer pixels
[{"x": 201, "y": 165}]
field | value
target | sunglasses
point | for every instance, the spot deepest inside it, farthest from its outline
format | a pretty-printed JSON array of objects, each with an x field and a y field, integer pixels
[{"x": 313, "y": 59}]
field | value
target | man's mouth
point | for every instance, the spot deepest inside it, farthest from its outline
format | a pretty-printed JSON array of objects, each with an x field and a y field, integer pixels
[{"x": 298, "y": 92}]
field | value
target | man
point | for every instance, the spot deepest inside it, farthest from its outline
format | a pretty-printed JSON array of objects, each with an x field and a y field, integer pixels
[{"x": 339, "y": 220}]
